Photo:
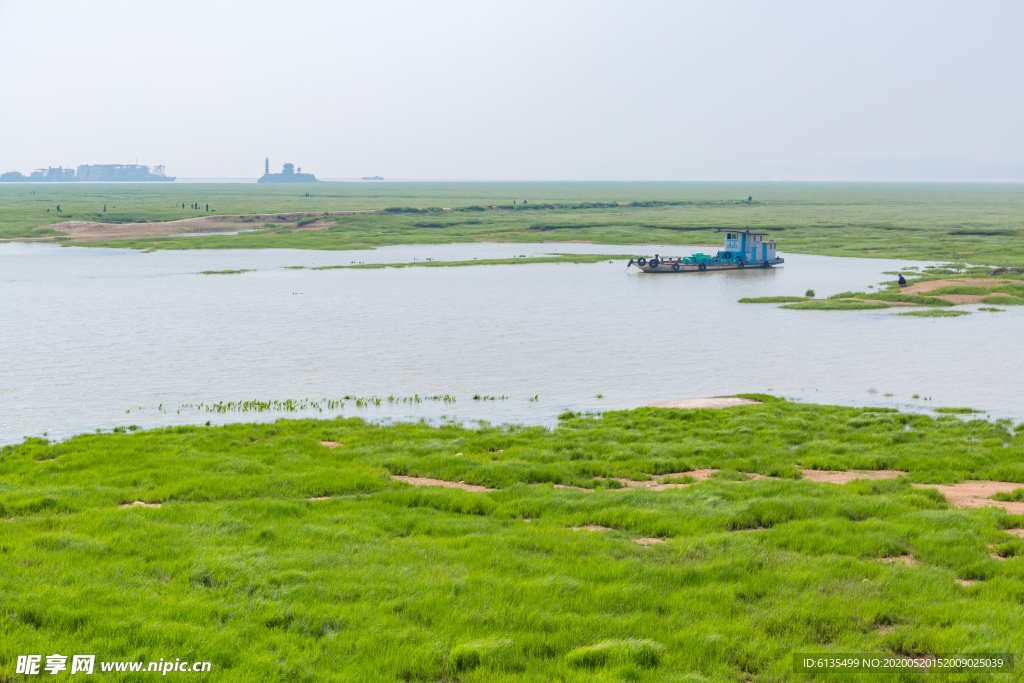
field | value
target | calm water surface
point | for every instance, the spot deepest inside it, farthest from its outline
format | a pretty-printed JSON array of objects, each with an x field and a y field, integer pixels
[{"x": 88, "y": 334}]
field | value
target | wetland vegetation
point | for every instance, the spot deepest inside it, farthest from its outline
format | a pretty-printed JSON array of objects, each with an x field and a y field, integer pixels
[
  {"x": 287, "y": 551},
  {"x": 975, "y": 223}
]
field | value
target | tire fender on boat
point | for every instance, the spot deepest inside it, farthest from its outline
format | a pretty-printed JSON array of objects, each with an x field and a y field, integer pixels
[
  {"x": 742, "y": 264},
  {"x": 702, "y": 266},
  {"x": 675, "y": 267},
  {"x": 654, "y": 263},
  {"x": 630, "y": 263},
  {"x": 641, "y": 261}
]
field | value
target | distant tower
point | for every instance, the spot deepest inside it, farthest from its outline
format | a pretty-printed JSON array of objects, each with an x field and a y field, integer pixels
[{"x": 266, "y": 166}]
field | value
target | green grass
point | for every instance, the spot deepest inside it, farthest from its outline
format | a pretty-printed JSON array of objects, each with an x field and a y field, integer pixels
[
  {"x": 942, "y": 222},
  {"x": 934, "y": 313},
  {"x": 905, "y": 298},
  {"x": 961, "y": 289},
  {"x": 1004, "y": 300},
  {"x": 835, "y": 305},
  {"x": 957, "y": 411},
  {"x": 224, "y": 272},
  {"x": 1016, "y": 496},
  {"x": 386, "y": 582},
  {"x": 991, "y": 310},
  {"x": 772, "y": 299}
]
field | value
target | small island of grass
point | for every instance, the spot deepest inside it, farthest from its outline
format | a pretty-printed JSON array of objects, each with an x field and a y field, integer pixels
[
  {"x": 934, "y": 313},
  {"x": 772, "y": 299},
  {"x": 836, "y": 305}
]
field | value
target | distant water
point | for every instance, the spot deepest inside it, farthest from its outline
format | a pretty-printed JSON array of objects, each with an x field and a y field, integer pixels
[{"x": 88, "y": 334}]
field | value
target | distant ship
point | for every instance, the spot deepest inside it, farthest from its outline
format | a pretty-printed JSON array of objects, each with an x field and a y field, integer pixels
[
  {"x": 90, "y": 173},
  {"x": 372, "y": 177},
  {"x": 287, "y": 175}
]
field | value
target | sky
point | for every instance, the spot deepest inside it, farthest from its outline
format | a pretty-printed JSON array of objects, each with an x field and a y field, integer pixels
[{"x": 552, "y": 90}]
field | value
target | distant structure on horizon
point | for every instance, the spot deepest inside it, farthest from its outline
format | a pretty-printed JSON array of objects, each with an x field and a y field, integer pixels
[
  {"x": 372, "y": 177},
  {"x": 90, "y": 173},
  {"x": 288, "y": 174}
]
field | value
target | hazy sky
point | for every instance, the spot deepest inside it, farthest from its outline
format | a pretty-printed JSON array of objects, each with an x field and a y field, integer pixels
[{"x": 515, "y": 90}]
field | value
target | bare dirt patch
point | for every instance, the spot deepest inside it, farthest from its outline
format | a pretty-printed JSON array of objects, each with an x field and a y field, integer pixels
[
  {"x": 141, "y": 504},
  {"x": 931, "y": 285},
  {"x": 424, "y": 481},
  {"x": 319, "y": 498},
  {"x": 331, "y": 444},
  {"x": 902, "y": 559},
  {"x": 966, "y": 582},
  {"x": 969, "y": 298},
  {"x": 86, "y": 231},
  {"x": 977, "y": 494},
  {"x": 592, "y": 527},
  {"x": 645, "y": 542},
  {"x": 574, "y": 488},
  {"x": 882, "y": 630},
  {"x": 847, "y": 477},
  {"x": 318, "y": 225},
  {"x": 1019, "y": 533},
  {"x": 728, "y": 402}
]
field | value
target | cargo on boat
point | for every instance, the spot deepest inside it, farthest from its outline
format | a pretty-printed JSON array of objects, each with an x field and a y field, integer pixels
[{"x": 740, "y": 249}]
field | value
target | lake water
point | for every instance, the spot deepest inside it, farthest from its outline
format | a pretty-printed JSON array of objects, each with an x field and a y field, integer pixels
[{"x": 88, "y": 334}]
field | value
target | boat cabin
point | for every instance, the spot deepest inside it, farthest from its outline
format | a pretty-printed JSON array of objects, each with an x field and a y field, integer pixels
[{"x": 747, "y": 245}]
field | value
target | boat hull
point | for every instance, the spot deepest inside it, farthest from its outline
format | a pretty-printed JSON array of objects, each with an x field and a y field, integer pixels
[{"x": 707, "y": 267}]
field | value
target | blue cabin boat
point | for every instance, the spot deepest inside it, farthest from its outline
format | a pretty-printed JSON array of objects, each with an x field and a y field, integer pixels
[{"x": 740, "y": 249}]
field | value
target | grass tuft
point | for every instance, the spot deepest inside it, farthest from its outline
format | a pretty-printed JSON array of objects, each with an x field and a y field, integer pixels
[{"x": 640, "y": 652}]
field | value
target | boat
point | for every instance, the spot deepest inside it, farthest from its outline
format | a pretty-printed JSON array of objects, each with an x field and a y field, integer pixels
[
  {"x": 740, "y": 249},
  {"x": 372, "y": 177}
]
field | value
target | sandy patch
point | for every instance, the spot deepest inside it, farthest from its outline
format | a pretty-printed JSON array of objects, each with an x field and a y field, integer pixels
[
  {"x": 592, "y": 527},
  {"x": 320, "y": 498},
  {"x": 1019, "y": 533},
  {"x": 574, "y": 488},
  {"x": 318, "y": 225},
  {"x": 728, "y": 402},
  {"x": 882, "y": 630},
  {"x": 902, "y": 559},
  {"x": 976, "y": 494},
  {"x": 331, "y": 444},
  {"x": 424, "y": 481},
  {"x": 966, "y": 582},
  {"x": 969, "y": 298},
  {"x": 84, "y": 231},
  {"x": 931, "y": 285},
  {"x": 847, "y": 477},
  {"x": 645, "y": 542},
  {"x": 140, "y": 504}
]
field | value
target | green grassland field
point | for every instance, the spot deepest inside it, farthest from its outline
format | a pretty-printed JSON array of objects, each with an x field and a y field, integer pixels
[
  {"x": 275, "y": 557},
  {"x": 978, "y": 223}
]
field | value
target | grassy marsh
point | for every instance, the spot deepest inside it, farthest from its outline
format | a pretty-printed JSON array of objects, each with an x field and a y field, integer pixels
[
  {"x": 383, "y": 581},
  {"x": 943, "y": 222}
]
